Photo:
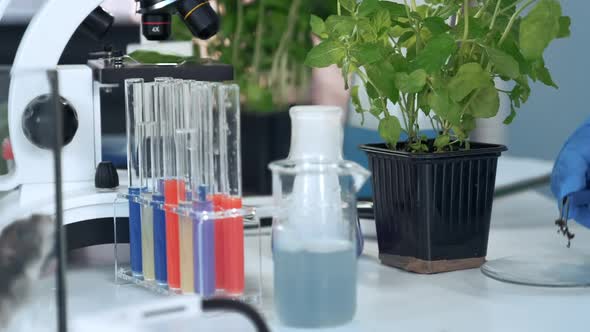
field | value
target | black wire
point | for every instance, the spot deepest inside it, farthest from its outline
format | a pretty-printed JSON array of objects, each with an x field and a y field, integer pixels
[
  {"x": 60, "y": 242},
  {"x": 236, "y": 306}
]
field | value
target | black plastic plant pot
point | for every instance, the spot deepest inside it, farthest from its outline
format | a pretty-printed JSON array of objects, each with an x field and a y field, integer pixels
[{"x": 433, "y": 210}]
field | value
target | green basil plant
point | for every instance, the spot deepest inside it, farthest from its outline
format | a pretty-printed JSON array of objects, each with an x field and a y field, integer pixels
[{"x": 442, "y": 58}]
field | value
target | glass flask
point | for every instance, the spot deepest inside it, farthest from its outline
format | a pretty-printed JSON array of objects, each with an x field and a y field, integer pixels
[{"x": 314, "y": 241}]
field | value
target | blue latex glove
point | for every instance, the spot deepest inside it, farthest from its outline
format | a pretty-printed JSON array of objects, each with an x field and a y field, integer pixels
[{"x": 571, "y": 172}]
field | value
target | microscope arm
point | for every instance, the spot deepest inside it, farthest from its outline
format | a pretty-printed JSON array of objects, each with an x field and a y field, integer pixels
[
  {"x": 3, "y": 5},
  {"x": 49, "y": 32},
  {"x": 40, "y": 49}
]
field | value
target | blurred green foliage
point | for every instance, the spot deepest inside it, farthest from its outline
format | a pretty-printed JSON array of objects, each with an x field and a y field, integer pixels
[{"x": 266, "y": 41}]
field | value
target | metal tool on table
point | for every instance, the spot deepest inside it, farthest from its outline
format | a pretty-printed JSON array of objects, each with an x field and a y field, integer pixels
[{"x": 565, "y": 267}]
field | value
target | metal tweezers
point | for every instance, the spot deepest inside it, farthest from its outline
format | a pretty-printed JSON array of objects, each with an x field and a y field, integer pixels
[{"x": 580, "y": 198}]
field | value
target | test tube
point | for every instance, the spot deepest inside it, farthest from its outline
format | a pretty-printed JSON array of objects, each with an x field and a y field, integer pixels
[
  {"x": 218, "y": 196},
  {"x": 162, "y": 105},
  {"x": 172, "y": 184},
  {"x": 133, "y": 104},
  {"x": 185, "y": 140},
  {"x": 202, "y": 164},
  {"x": 147, "y": 177},
  {"x": 233, "y": 228}
]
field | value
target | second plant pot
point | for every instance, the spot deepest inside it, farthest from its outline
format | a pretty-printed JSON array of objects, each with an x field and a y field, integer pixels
[
  {"x": 265, "y": 138},
  {"x": 433, "y": 210}
]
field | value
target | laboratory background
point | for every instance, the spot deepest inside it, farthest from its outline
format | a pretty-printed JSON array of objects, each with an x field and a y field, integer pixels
[{"x": 294, "y": 165}]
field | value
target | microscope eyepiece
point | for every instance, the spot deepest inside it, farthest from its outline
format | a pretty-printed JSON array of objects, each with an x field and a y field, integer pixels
[
  {"x": 156, "y": 26},
  {"x": 199, "y": 17}
]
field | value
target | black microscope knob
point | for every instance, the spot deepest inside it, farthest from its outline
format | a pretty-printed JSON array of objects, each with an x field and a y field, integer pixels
[
  {"x": 38, "y": 122},
  {"x": 106, "y": 176}
]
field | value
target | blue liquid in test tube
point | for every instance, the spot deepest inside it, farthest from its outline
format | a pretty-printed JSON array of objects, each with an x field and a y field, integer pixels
[
  {"x": 161, "y": 266},
  {"x": 135, "y": 233},
  {"x": 134, "y": 117}
]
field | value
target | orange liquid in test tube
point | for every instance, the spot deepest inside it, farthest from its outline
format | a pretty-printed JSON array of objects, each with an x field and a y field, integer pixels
[{"x": 171, "y": 192}]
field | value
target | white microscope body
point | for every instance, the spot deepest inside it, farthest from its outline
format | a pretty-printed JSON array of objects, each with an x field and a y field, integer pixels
[{"x": 31, "y": 181}]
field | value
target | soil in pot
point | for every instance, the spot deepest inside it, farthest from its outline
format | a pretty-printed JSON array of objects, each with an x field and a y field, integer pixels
[{"x": 433, "y": 210}]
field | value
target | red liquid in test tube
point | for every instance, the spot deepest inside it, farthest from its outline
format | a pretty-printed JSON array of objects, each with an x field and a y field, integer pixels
[
  {"x": 220, "y": 238},
  {"x": 233, "y": 230},
  {"x": 171, "y": 192}
]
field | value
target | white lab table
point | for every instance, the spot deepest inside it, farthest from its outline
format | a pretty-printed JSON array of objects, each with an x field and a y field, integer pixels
[{"x": 393, "y": 300}]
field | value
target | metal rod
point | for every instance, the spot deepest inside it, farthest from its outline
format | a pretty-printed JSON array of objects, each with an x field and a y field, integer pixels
[{"x": 60, "y": 237}]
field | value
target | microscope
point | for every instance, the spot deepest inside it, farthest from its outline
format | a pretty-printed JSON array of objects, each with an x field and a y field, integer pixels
[{"x": 89, "y": 94}]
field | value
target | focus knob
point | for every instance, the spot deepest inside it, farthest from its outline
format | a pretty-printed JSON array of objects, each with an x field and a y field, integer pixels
[
  {"x": 38, "y": 122},
  {"x": 106, "y": 176}
]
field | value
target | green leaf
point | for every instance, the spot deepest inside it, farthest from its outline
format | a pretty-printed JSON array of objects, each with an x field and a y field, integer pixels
[
  {"x": 368, "y": 7},
  {"x": 366, "y": 29},
  {"x": 412, "y": 83},
  {"x": 376, "y": 111},
  {"x": 435, "y": 54},
  {"x": 521, "y": 91},
  {"x": 150, "y": 57},
  {"x": 436, "y": 25},
  {"x": 382, "y": 21},
  {"x": 564, "y": 27},
  {"x": 423, "y": 103},
  {"x": 349, "y": 5},
  {"x": 371, "y": 92},
  {"x": 390, "y": 129},
  {"x": 543, "y": 74},
  {"x": 442, "y": 141},
  {"x": 510, "y": 117},
  {"x": 483, "y": 103},
  {"x": 505, "y": 64},
  {"x": 395, "y": 9},
  {"x": 366, "y": 53},
  {"x": 405, "y": 37},
  {"x": 340, "y": 25},
  {"x": 382, "y": 75},
  {"x": 511, "y": 48},
  {"x": 469, "y": 77},
  {"x": 465, "y": 128},
  {"x": 539, "y": 27},
  {"x": 445, "y": 107},
  {"x": 325, "y": 54},
  {"x": 318, "y": 27}
]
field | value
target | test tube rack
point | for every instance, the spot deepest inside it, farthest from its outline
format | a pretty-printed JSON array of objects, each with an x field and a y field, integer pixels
[
  {"x": 252, "y": 288},
  {"x": 186, "y": 219}
]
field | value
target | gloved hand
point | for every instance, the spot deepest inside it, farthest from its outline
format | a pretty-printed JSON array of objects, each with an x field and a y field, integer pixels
[{"x": 572, "y": 170}]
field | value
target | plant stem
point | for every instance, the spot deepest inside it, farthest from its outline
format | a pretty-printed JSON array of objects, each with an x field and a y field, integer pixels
[
  {"x": 510, "y": 6},
  {"x": 414, "y": 5},
  {"x": 466, "y": 14},
  {"x": 339, "y": 8},
  {"x": 482, "y": 9},
  {"x": 512, "y": 20},
  {"x": 495, "y": 14},
  {"x": 258, "y": 42},
  {"x": 404, "y": 112},
  {"x": 238, "y": 32},
  {"x": 291, "y": 21}
]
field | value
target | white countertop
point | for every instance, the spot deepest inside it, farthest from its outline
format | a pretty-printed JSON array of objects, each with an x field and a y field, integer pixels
[{"x": 394, "y": 300}]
